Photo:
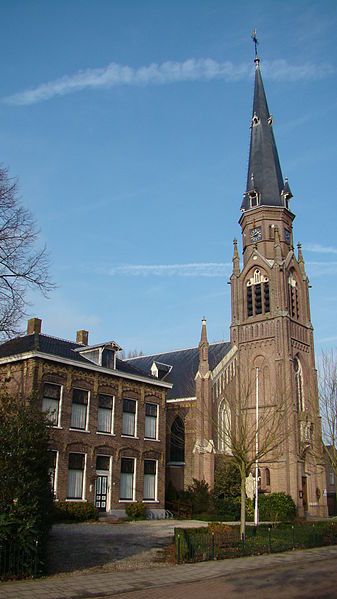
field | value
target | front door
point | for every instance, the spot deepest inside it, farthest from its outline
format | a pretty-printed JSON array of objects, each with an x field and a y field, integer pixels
[{"x": 101, "y": 492}]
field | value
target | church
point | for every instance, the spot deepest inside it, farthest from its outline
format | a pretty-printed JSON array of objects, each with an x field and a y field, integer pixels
[
  {"x": 263, "y": 382},
  {"x": 123, "y": 430}
]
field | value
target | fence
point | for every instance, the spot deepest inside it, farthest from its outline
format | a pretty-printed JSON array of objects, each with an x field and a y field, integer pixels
[
  {"x": 17, "y": 562},
  {"x": 202, "y": 544}
]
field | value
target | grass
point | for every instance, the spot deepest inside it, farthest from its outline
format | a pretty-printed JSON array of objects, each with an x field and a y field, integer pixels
[{"x": 219, "y": 542}]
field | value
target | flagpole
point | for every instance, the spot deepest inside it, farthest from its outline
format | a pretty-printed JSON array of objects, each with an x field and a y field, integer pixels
[{"x": 256, "y": 510}]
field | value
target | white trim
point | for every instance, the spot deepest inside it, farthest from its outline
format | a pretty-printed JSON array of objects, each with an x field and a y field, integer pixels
[
  {"x": 181, "y": 399},
  {"x": 133, "y": 479},
  {"x": 155, "y": 500},
  {"x": 112, "y": 423},
  {"x": 115, "y": 373},
  {"x": 84, "y": 476},
  {"x": 78, "y": 430},
  {"x": 157, "y": 421},
  {"x": 227, "y": 358},
  {"x": 107, "y": 473}
]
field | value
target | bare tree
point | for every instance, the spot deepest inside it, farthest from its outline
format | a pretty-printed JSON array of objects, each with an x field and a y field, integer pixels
[
  {"x": 327, "y": 380},
  {"x": 133, "y": 353},
  {"x": 22, "y": 266},
  {"x": 252, "y": 425}
]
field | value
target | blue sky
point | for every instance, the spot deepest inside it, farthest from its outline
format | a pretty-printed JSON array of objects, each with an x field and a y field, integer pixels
[{"x": 127, "y": 124}]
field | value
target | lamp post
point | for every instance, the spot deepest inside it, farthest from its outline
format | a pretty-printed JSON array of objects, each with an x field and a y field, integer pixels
[{"x": 256, "y": 510}]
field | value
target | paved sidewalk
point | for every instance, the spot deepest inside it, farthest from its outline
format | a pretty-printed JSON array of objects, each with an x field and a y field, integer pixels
[{"x": 75, "y": 586}]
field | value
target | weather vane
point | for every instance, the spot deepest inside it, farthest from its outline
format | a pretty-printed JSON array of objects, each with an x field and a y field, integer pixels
[{"x": 254, "y": 38}]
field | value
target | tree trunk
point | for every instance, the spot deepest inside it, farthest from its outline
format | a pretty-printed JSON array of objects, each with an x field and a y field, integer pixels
[{"x": 243, "y": 503}]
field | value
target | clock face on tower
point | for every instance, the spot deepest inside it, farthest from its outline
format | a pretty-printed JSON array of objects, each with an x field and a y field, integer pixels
[
  {"x": 255, "y": 234},
  {"x": 287, "y": 235}
]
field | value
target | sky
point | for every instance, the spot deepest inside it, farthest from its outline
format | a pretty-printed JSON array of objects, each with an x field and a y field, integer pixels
[{"x": 127, "y": 122}]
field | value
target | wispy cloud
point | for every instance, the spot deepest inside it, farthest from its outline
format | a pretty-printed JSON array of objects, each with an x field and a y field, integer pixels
[
  {"x": 204, "y": 269},
  {"x": 319, "y": 269},
  {"x": 202, "y": 69},
  {"x": 319, "y": 249}
]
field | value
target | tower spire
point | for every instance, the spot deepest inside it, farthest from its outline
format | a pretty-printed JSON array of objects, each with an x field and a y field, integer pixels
[{"x": 265, "y": 185}]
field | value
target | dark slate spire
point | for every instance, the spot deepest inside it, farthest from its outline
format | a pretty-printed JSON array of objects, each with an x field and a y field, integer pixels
[{"x": 265, "y": 184}]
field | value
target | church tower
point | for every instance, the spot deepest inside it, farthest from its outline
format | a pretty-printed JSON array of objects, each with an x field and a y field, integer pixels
[{"x": 271, "y": 325}]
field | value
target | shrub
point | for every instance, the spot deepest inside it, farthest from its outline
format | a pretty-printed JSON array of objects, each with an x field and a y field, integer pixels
[
  {"x": 227, "y": 480},
  {"x": 136, "y": 511},
  {"x": 74, "y": 511},
  {"x": 200, "y": 496},
  {"x": 276, "y": 507},
  {"x": 25, "y": 499}
]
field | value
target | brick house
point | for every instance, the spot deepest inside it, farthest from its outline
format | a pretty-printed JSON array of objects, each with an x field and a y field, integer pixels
[{"x": 107, "y": 418}]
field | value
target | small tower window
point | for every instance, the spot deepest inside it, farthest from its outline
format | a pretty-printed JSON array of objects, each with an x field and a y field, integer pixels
[
  {"x": 258, "y": 296},
  {"x": 258, "y": 299},
  {"x": 293, "y": 297},
  {"x": 249, "y": 301},
  {"x": 266, "y": 297},
  {"x": 254, "y": 198},
  {"x": 299, "y": 385}
]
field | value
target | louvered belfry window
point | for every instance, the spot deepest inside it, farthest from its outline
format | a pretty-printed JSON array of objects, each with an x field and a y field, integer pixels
[{"x": 258, "y": 294}]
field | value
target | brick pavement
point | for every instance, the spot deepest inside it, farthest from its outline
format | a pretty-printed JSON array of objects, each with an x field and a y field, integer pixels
[{"x": 107, "y": 584}]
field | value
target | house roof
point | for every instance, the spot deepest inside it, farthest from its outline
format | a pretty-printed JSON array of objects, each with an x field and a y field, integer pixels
[
  {"x": 184, "y": 364},
  {"x": 53, "y": 346}
]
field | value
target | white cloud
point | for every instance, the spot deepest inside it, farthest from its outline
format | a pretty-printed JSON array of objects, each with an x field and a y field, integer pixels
[
  {"x": 319, "y": 269},
  {"x": 202, "y": 69},
  {"x": 319, "y": 249},
  {"x": 207, "y": 269}
]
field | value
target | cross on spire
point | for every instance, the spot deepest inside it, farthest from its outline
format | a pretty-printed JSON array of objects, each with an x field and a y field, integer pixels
[{"x": 255, "y": 40}]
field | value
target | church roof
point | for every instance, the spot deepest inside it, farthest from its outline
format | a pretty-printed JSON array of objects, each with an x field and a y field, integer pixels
[
  {"x": 184, "y": 364},
  {"x": 264, "y": 171}
]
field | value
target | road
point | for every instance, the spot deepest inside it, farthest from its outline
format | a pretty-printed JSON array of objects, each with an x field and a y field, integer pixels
[{"x": 316, "y": 580}]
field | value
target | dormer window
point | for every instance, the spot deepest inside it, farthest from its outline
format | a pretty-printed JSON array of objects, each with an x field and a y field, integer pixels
[
  {"x": 253, "y": 198},
  {"x": 103, "y": 355},
  {"x": 255, "y": 120}
]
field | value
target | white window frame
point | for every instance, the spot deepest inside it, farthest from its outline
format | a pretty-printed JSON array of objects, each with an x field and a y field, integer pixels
[
  {"x": 84, "y": 476},
  {"x": 133, "y": 481},
  {"x": 103, "y": 473},
  {"x": 54, "y": 488},
  {"x": 155, "y": 500},
  {"x": 59, "y": 411},
  {"x": 134, "y": 436},
  {"x": 156, "y": 438},
  {"x": 86, "y": 429},
  {"x": 112, "y": 415}
]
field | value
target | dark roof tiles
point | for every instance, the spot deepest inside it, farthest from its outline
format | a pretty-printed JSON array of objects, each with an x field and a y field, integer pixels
[
  {"x": 57, "y": 347},
  {"x": 184, "y": 364}
]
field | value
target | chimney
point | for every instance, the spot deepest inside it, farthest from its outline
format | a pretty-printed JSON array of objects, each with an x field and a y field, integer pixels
[
  {"x": 82, "y": 337},
  {"x": 34, "y": 326}
]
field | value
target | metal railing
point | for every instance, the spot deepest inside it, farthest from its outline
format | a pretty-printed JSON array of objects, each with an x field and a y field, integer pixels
[
  {"x": 18, "y": 562},
  {"x": 194, "y": 545}
]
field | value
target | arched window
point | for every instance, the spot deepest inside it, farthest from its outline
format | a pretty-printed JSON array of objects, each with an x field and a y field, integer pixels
[
  {"x": 224, "y": 428},
  {"x": 258, "y": 296},
  {"x": 299, "y": 385},
  {"x": 293, "y": 297},
  {"x": 267, "y": 475},
  {"x": 177, "y": 441}
]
